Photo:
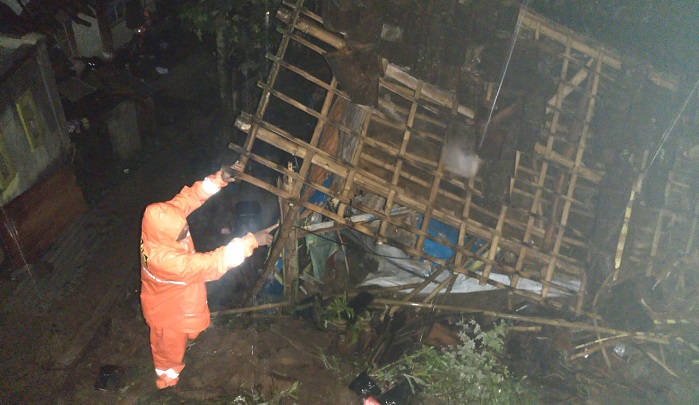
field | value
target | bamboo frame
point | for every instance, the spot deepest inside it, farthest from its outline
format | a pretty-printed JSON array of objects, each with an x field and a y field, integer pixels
[
  {"x": 265, "y": 134},
  {"x": 678, "y": 182},
  {"x": 558, "y": 162},
  {"x": 392, "y": 170}
]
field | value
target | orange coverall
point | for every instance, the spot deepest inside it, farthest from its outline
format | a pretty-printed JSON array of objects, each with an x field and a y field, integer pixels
[{"x": 173, "y": 293}]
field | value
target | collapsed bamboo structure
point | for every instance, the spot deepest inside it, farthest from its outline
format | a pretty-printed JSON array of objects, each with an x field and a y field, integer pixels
[{"x": 541, "y": 234}]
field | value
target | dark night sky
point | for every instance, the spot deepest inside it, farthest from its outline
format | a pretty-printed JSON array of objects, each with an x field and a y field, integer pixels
[{"x": 664, "y": 33}]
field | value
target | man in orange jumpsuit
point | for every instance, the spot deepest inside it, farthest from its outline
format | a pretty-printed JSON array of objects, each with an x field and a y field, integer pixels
[{"x": 173, "y": 274}]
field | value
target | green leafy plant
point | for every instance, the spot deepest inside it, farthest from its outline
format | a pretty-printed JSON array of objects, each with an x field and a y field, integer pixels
[
  {"x": 341, "y": 316},
  {"x": 338, "y": 312},
  {"x": 468, "y": 373}
]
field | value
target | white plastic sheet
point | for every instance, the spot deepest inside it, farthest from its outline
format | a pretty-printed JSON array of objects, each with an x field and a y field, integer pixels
[{"x": 396, "y": 268}]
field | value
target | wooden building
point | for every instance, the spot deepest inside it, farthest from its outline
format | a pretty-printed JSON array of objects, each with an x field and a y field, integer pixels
[{"x": 39, "y": 195}]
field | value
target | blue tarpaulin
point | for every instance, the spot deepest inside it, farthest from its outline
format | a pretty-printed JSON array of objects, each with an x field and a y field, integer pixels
[{"x": 450, "y": 236}]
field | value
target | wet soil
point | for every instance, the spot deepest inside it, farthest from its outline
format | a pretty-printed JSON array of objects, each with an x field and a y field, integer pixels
[{"x": 248, "y": 359}]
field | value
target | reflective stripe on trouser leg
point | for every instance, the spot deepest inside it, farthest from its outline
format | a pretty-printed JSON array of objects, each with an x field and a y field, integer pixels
[
  {"x": 169, "y": 373},
  {"x": 168, "y": 348}
]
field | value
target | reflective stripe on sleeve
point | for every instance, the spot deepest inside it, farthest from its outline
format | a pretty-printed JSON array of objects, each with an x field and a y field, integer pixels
[{"x": 158, "y": 280}]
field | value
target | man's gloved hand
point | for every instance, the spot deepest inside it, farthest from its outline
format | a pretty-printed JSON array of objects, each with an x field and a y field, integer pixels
[
  {"x": 228, "y": 172},
  {"x": 264, "y": 237}
]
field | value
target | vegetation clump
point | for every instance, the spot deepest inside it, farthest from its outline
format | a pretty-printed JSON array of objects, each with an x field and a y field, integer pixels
[{"x": 467, "y": 373}]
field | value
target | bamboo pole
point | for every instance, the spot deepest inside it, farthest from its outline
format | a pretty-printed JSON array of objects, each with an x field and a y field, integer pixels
[
  {"x": 249, "y": 142},
  {"x": 303, "y": 41},
  {"x": 311, "y": 28},
  {"x": 607, "y": 339},
  {"x": 431, "y": 93},
  {"x": 549, "y": 148},
  {"x": 447, "y": 281},
  {"x": 599, "y": 344},
  {"x": 388, "y": 206},
  {"x": 344, "y": 252},
  {"x": 290, "y": 216},
  {"x": 494, "y": 246},
  {"x": 530, "y": 319},
  {"x": 661, "y": 364},
  {"x": 574, "y": 175},
  {"x": 293, "y": 68},
  {"x": 387, "y": 290},
  {"x": 689, "y": 246},
  {"x": 436, "y": 182},
  {"x": 424, "y": 284},
  {"x": 291, "y": 265},
  {"x": 255, "y": 308},
  {"x": 635, "y": 189},
  {"x": 459, "y": 257}
]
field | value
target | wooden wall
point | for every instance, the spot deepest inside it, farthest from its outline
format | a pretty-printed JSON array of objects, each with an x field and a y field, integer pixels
[{"x": 32, "y": 221}]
